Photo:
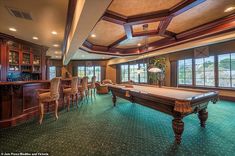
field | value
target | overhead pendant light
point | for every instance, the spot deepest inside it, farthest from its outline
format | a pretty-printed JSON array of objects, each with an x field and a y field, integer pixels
[{"x": 145, "y": 29}]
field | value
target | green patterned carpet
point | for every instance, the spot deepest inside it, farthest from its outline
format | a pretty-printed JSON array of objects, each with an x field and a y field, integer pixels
[{"x": 97, "y": 128}]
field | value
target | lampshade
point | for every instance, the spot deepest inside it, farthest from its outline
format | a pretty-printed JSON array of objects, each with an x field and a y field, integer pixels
[{"x": 154, "y": 70}]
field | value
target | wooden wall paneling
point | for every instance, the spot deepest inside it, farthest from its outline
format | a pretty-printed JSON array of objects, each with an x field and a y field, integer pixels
[
  {"x": 173, "y": 74},
  {"x": 4, "y": 60},
  {"x": 5, "y": 102},
  {"x": 17, "y": 100},
  {"x": 43, "y": 63}
]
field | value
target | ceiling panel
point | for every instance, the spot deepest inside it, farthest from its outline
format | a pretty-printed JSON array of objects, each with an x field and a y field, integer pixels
[
  {"x": 136, "y": 7},
  {"x": 151, "y": 26},
  {"x": 132, "y": 43},
  {"x": 106, "y": 33},
  {"x": 207, "y": 11},
  {"x": 47, "y": 15}
]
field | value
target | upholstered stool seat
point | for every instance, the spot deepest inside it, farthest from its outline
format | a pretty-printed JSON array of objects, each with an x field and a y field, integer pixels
[
  {"x": 72, "y": 91},
  {"x": 49, "y": 95},
  {"x": 92, "y": 86}
]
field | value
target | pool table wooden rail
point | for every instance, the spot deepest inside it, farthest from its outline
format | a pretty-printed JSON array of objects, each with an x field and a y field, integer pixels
[{"x": 166, "y": 105}]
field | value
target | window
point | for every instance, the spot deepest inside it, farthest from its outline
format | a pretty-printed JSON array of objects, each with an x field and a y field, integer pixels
[
  {"x": 98, "y": 73},
  {"x": 124, "y": 73},
  {"x": 226, "y": 65},
  {"x": 81, "y": 71},
  {"x": 185, "y": 72},
  {"x": 52, "y": 72},
  {"x": 89, "y": 72},
  {"x": 133, "y": 73},
  {"x": 204, "y": 71},
  {"x": 143, "y": 74}
]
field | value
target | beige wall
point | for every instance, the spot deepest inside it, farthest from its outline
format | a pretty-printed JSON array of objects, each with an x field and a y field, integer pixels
[{"x": 111, "y": 73}]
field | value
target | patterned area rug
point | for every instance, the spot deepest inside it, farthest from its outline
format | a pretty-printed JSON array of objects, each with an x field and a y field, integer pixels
[{"x": 98, "y": 128}]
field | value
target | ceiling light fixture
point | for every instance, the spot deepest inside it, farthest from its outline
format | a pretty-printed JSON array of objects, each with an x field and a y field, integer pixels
[
  {"x": 56, "y": 45},
  {"x": 54, "y": 32},
  {"x": 139, "y": 44},
  {"x": 35, "y": 38},
  {"x": 93, "y": 35},
  {"x": 229, "y": 9},
  {"x": 12, "y": 29}
]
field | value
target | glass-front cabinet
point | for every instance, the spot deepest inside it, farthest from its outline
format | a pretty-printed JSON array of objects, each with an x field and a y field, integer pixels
[{"x": 14, "y": 60}]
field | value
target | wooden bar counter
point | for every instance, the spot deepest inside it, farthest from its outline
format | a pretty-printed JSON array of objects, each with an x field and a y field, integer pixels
[{"x": 19, "y": 103}]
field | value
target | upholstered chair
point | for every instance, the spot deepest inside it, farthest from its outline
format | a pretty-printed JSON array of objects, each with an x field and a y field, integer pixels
[
  {"x": 92, "y": 86},
  {"x": 101, "y": 88},
  {"x": 49, "y": 95},
  {"x": 71, "y": 92},
  {"x": 107, "y": 81}
]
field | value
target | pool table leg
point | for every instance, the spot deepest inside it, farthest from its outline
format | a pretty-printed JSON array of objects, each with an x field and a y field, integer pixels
[
  {"x": 203, "y": 116},
  {"x": 114, "y": 100},
  {"x": 178, "y": 127}
]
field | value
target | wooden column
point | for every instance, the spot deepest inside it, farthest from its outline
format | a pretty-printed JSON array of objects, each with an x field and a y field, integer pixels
[{"x": 4, "y": 60}]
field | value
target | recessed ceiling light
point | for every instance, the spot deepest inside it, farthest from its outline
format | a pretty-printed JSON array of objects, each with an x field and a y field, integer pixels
[
  {"x": 35, "y": 38},
  {"x": 56, "y": 45},
  {"x": 12, "y": 29},
  {"x": 139, "y": 44},
  {"x": 93, "y": 35},
  {"x": 57, "y": 52},
  {"x": 229, "y": 9},
  {"x": 54, "y": 32}
]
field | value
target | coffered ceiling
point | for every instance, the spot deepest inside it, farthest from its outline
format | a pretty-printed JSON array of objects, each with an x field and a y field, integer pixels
[
  {"x": 120, "y": 30},
  {"x": 139, "y": 7}
]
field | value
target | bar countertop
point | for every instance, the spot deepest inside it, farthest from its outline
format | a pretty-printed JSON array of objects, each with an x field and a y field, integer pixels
[{"x": 23, "y": 82}]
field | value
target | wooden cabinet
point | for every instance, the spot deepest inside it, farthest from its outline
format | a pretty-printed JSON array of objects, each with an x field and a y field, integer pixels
[
  {"x": 21, "y": 60},
  {"x": 13, "y": 60}
]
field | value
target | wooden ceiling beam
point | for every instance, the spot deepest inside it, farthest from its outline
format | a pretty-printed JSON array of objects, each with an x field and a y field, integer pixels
[
  {"x": 148, "y": 18},
  {"x": 114, "y": 18},
  {"x": 117, "y": 41},
  {"x": 69, "y": 20},
  {"x": 148, "y": 33},
  {"x": 163, "y": 26}
]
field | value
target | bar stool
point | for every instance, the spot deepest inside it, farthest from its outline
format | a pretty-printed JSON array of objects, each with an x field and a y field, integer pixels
[
  {"x": 49, "y": 95},
  {"x": 84, "y": 88},
  {"x": 72, "y": 92},
  {"x": 92, "y": 86}
]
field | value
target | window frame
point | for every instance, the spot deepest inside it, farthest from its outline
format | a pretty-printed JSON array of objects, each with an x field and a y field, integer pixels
[
  {"x": 94, "y": 72},
  {"x": 185, "y": 84},
  {"x": 128, "y": 73},
  {"x": 216, "y": 73},
  {"x": 50, "y": 78}
]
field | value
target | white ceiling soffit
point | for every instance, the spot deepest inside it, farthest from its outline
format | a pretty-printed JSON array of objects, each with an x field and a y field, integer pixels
[
  {"x": 86, "y": 15},
  {"x": 207, "y": 41},
  {"x": 83, "y": 55}
]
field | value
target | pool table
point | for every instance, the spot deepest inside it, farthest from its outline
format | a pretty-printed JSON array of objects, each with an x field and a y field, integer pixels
[{"x": 177, "y": 102}]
